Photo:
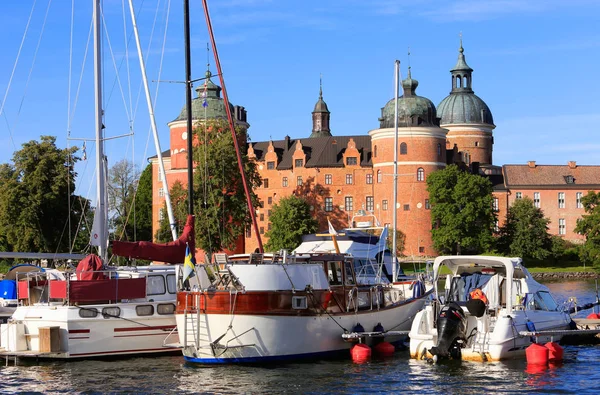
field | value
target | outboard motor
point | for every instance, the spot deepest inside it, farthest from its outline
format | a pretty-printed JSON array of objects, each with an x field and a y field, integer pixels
[{"x": 451, "y": 327}]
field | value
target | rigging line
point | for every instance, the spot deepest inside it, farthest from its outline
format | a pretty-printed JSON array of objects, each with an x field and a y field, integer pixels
[
  {"x": 139, "y": 95},
  {"x": 87, "y": 46},
  {"x": 33, "y": 61},
  {"x": 127, "y": 62},
  {"x": 117, "y": 78},
  {"x": 68, "y": 124},
  {"x": 14, "y": 69}
]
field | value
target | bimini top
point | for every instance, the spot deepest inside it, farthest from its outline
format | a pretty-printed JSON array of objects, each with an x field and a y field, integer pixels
[{"x": 458, "y": 264}]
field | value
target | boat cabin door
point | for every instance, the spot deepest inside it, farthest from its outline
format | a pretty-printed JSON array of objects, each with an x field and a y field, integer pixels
[{"x": 341, "y": 273}]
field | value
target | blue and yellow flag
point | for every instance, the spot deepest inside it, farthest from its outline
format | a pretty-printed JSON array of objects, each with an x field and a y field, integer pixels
[{"x": 188, "y": 264}]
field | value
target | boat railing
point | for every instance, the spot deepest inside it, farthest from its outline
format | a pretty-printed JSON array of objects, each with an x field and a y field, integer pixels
[{"x": 105, "y": 286}]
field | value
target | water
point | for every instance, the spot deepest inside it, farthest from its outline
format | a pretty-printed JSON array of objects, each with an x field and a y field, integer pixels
[{"x": 578, "y": 373}]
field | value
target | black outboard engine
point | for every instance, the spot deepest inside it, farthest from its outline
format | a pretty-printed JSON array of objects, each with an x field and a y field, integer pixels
[{"x": 451, "y": 327}]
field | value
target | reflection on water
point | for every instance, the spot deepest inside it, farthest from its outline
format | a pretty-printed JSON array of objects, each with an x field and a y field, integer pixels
[{"x": 579, "y": 373}]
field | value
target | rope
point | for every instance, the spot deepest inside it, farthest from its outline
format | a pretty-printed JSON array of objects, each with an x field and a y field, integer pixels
[{"x": 310, "y": 293}]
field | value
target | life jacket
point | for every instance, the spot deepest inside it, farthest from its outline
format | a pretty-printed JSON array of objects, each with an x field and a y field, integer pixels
[{"x": 478, "y": 294}]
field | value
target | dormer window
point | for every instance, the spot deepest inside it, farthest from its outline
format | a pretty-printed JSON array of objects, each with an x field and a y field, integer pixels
[
  {"x": 270, "y": 165},
  {"x": 299, "y": 162},
  {"x": 351, "y": 161},
  {"x": 569, "y": 179}
]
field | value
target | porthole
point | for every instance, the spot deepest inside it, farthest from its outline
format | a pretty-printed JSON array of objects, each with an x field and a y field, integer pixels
[
  {"x": 111, "y": 312},
  {"x": 165, "y": 308},
  {"x": 144, "y": 310},
  {"x": 88, "y": 313}
]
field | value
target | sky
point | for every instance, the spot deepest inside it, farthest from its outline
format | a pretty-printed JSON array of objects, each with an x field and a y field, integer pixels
[{"x": 535, "y": 64}]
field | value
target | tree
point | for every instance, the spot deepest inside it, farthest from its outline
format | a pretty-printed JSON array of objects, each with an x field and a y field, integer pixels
[
  {"x": 35, "y": 196},
  {"x": 143, "y": 205},
  {"x": 589, "y": 226},
  {"x": 220, "y": 201},
  {"x": 290, "y": 220},
  {"x": 525, "y": 232},
  {"x": 122, "y": 183},
  {"x": 461, "y": 211},
  {"x": 179, "y": 204}
]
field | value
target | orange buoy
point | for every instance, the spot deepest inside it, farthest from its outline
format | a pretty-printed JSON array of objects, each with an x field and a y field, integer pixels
[
  {"x": 537, "y": 354},
  {"x": 384, "y": 349},
  {"x": 360, "y": 353},
  {"x": 593, "y": 316},
  {"x": 555, "y": 351}
]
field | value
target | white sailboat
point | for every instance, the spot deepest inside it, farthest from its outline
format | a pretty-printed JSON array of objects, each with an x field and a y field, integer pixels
[{"x": 97, "y": 310}]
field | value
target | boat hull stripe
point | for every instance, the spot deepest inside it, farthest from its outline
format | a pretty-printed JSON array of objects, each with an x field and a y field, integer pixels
[{"x": 145, "y": 328}]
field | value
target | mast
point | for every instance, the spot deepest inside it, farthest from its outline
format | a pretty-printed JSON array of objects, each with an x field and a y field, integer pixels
[
  {"x": 188, "y": 103},
  {"x": 395, "y": 187},
  {"x": 231, "y": 126},
  {"x": 100, "y": 160},
  {"x": 161, "y": 165}
]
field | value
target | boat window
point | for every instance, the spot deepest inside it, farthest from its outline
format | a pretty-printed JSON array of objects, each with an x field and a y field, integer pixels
[
  {"x": 334, "y": 273},
  {"x": 143, "y": 310},
  {"x": 171, "y": 284},
  {"x": 363, "y": 267},
  {"x": 165, "y": 308},
  {"x": 349, "y": 275},
  {"x": 543, "y": 301},
  {"x": 155, "y": 285},
  {"x": 88, "y": 312},
  {"x": 111, "y": 312},
  {"x": 299, "y": 302}
]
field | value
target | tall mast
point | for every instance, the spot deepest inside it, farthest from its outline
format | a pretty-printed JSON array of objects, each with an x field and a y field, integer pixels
[
  {"x": 161, "y": 165},
  {"x": 395, "y": 188},
  {"x": 100, "y": 160},
  {"x": 188, "y": 103}
]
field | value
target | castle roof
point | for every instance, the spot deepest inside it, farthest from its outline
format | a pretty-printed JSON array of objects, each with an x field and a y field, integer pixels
[{"x": 569, "y": 176}]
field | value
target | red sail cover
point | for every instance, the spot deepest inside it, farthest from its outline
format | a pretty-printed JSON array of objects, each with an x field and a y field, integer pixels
[
  {"x": 89, "y": 268},
  {"x": 171, "y": 252}
]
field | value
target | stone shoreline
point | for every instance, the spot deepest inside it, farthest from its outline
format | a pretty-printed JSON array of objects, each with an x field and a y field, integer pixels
[{"x": 564, "y": 275}]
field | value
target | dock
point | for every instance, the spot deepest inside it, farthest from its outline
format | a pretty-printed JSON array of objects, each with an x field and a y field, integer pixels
[
  {"x": 352, "y": 336},
  {"x": 587, "y": 332}
]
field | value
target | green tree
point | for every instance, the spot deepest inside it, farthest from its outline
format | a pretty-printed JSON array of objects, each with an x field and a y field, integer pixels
[
  {"x": 589, "y": 226},
  {"x": 525, "y": 232},
  {"x": 461, "y": 211},
  {"x": 179, "y": 204},
  {"x": 143, "y": 205},
  {"x": 122, "y": 183},
  {"x": 35, "y": 196},
  {"x": 220, "y": 201},
  {"x": 290, "y": 220}
]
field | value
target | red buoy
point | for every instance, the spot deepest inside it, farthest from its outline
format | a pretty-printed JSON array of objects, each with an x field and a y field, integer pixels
[
  {"x": 537, "y": 354},
  {"x": 360, "y": 353},
  {"x": 384, "y": 349},
  {"x": 555, "y": 351},
  {"x": 593, "y": 316}
]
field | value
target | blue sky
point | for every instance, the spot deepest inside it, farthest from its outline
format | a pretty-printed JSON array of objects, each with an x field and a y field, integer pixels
[{"x": 536, "y": 65}]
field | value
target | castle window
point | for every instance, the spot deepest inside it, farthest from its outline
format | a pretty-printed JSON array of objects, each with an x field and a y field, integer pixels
[
  {"x": 284, "y": 182},
  {"x": 495, "y": 206},
  {"x": 161, "y": 192},
  {"x": 370, "y": 203},
  {"x": 403, "y": 149},
  {"x": 519, "y": 195},
  {"x": 269, "y": 226},
  {"x": 270, "y": 165},
  {"x": 406, "y": 207},
  {"x": 269, "y": 200},
  {"x": 561, "y": 200},
  {"x": 351, "y": 161},
  {"x": 266, "y": 182},
  {"x": 299, "y": 181},
  {"x": 328, "y": 204},
  {"x": 349, "y": 206},
  {"x": 262, "y": 230},
  {"x": 328, "y": 179},
  {"x": 477, "y": 144},
  {"x": 349, "y": 180},
  {"x": 248, "y": 232},
  {"x": 262, "y": 216},
  {"x": 562, "y": 226},
  {"x": 369, "y": 178},
  {"x": 536, "y": 199},
  {"x": 299, "y": 162},
  {"x": 420, "y": 174},
  {"x": 579, "y": 196},
  {"x": 384, "y": 205},
  {"x": 379, "y": 176},
  {"x": 439, "y": 150},
  {"x": 427, "y": 204},
  {"x": 161, "y": 215},
  {"x": 375, "y": 151},
  {"x": 421, "y": 250}
]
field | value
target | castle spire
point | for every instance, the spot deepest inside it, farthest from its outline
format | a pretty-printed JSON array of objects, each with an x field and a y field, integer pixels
[
  {"x": 461, "y": 72},
  {"x": 320, "y": 115}
]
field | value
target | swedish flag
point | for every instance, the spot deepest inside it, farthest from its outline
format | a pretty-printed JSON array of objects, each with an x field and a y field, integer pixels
[{"x": 188, "y": 264}]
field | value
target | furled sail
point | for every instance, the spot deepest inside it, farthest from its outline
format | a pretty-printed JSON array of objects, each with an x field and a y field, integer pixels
[{"x": 171, "y": 252}]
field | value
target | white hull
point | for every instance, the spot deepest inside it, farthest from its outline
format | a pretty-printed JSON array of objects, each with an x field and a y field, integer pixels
[
  {"x": 89, "y": 337},
  {"x": 493, "y": 339},
  {"x": 206, "y": 338}
]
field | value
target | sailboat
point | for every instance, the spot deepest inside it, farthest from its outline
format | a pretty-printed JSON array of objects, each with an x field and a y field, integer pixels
[
  {"x": 98, "y": 310},
  {"x": 279, "y": 307}
]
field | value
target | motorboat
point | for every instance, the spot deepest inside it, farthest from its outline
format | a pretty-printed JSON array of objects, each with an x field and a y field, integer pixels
[
  {"x": 263, "y": 308},
  {"x": 478, "y": 314},
  {"x": 92, "y": 313}
]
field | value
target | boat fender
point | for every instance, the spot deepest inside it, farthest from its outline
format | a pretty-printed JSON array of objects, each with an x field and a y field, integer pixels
[
  {"x": 537, "y": 354},
  {"x": 358, "y": 328},
  {"x": 555, "y": 352},
  {"x": 360, "y": 353},
  {"x": 378, "y": 327},
  {"x": 418, "y": 289}
]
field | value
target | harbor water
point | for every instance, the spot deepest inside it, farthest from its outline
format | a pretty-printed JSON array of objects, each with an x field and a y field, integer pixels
[{"x": 578, "y": 373}]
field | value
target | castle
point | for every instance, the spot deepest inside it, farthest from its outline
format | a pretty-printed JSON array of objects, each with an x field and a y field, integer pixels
[{"x": 340, "y": 175}]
